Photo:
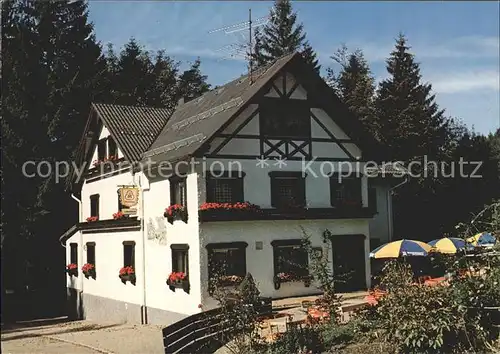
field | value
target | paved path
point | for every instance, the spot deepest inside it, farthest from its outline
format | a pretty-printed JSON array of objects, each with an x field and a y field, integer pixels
[{"x": 81, "y": 337}]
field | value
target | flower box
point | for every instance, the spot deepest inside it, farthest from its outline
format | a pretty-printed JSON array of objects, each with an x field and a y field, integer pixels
[
  {"x": 88, "y": 270},
  {"x": 127, "y": 274},
  {"x": 175, "y": 212},
  {"x": 228, "y": 210},
  {"x": 97, "y": 163},
  {"x": 92, "y": 219},
  {"x": 287, "y": 278},
  {"x": 119, "y": 216},
  {"x": 178, "y": 280},
  {"x": 72, "y": 269}
]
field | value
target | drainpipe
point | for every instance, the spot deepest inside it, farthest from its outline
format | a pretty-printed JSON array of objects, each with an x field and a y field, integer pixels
[
  {"x": 390, "y": 193},
  {"x": 80, "y": 254},
  {"x": 144, "y": 317}
]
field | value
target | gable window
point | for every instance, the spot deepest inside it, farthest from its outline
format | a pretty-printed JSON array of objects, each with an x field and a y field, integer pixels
[
  {"x": 178, "y": 191},
  {"x": 284, "y": 118},
  {"x": 225, "y": 188},
  {"x": 94, "y": 205},
  {"x": 227, "y": 262},
  {"x": 73, "y": 253},
  {"x": 288, "y": 189},
  {"x": 291, "y": 261},
  {"x": 112, "y": 148},
  {"x": 91, "y": 252},
  {"x": 129, "y": 254},
  {"x": 345, "y": 191},
  {"x": 101, "y": 149}
]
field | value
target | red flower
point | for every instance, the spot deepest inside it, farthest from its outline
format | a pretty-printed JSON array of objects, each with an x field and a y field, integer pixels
[
  {"x": 71, "y": 266},
  {"x": 87, "y": 267},
  {"x": 118, "y": 215},
  {"x": 174, "y": 208},
  {"x": 92, "y": 218},
  {"x": 127, "y": 271},
  {"x": 229, "y": 206},
  {"x": 175, "y": 277}
]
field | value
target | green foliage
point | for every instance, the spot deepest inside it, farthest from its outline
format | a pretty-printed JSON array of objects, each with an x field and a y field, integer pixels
[{"x": 298, "y": 340}]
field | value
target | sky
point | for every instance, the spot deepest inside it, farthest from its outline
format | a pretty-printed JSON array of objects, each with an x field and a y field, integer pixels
[{"x": 456, "y": 43}]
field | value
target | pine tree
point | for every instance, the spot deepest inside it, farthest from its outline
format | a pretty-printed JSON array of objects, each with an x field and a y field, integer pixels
[
  {"x": 411, "y": 123},
  {"x": 192, "y": 83},
  {"x": 281, "y": 36},
  {"x": 163, "y": 92},
  {"x": 355, "y": 85}
]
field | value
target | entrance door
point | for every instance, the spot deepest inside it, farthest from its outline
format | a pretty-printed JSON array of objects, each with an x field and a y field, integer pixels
[{"x": 349, "y": 262}]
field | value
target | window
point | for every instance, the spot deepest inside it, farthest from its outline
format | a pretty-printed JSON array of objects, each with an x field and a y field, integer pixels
[
  {"x": 180, "y": 258},
  {"x": 178, "y": 192},
  {"x": 285, "y": 118},
  {"x": 227, "y": 259},
  {"x": 91, "y": 252},
  {"x": 225, "y": 189},
  {"x": 129, "y": 254},
  {"x": 345, "y": 191},
  {"x": 94, "y": 205},
  {"x": 112, "y": 148},
  {"x": 73, "y": 253},
  {"x": 372, "y": 198},
  {"x": 291, "y": 258},
  {"x": 101, "y": 149},
  {"x": 288, "y": 189}
]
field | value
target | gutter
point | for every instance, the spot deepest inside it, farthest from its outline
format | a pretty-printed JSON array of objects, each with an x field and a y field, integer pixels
[
  {"x": 80, "y": 253},
  {"x": 390, "y": 217}
]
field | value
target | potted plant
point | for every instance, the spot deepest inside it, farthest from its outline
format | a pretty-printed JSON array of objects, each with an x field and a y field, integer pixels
[
  {"x": 175, "y": 212},
  {"x": 127, "y": 274},
  {"x": 178, "y": 280},
  {"x": 88, "y": 270},
  {"x": 72, "y": 269},
  {"x": 119, "y": 215},
  {"x": 92, "y": 219}
]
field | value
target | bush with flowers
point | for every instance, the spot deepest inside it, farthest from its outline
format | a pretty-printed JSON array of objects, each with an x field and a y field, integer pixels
[
  {"x": 72, "y": 269},
  {"x": 88, "y": 270},
  {"x": 127, "y": 274},
  {"x": 92, "y": 219},
  {"x": 178, "y": 280},
  {"x": 119, "y": 215},
  {"x": 175, "y": 212}
]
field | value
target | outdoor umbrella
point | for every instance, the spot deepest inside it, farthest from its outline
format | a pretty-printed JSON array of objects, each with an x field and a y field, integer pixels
[
  {"x": 482, "y": 239},
  {"x": 400, "y": 248},
  {"x": 448, "y": 245}
]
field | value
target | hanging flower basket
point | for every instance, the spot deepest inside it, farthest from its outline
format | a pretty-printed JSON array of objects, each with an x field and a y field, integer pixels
[
  {"x": 127, "y": 274},
  {"x": 88, "y": 270},
  {"x": 178, "y": 280},
  {"x": 72, "y": 269},
  {"x": 175, "y": 212},
  {"x": 119, "y": 216},
  {"x": 92, "y": 219}
]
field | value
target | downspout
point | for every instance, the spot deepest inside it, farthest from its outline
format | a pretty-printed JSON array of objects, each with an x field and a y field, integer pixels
[
  {"x": 144, "y": 317},
  {"x": 390, "y": 193},
  {"x": 80, "y": 254}
]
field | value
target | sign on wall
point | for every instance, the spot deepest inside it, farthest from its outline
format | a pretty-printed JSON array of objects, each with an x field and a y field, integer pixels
[{"x": 129, "y": 198}]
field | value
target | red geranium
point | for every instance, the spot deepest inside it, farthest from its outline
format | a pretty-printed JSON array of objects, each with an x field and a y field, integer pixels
[
  {"x": 87, "y": 267},
  {"x": 72, "y": 269},
  {"x": 118, "y": 215},
  {"x": 229, "y": 206},
  {"x": 174, "y": 209},
  {"x": 127, "y": 271},
  {"x": 71, "y": 266},
  {"x": 92, "y": 218},
  {"x": 106, "y": 159},
  {"x": 176, "y": 277}
]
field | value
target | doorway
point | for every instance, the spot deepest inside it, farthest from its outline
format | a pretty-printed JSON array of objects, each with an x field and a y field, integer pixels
[{"x": 349, "y": 262}]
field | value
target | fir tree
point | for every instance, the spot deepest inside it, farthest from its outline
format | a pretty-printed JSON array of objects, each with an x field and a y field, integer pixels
[
  {"x": 410, "y": 120},
  {"x": 281, "y": 36},
  {"x": 192, "y": 83},
  {"x": 355, "y": 85}
]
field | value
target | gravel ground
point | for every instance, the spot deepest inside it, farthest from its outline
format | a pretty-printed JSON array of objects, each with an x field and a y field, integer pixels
[{"x": 82, "y": 337}]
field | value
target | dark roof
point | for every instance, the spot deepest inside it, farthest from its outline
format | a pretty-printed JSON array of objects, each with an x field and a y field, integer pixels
[
  {"x": 134, "y": 128},
  {"x": 197, "y": 120}
]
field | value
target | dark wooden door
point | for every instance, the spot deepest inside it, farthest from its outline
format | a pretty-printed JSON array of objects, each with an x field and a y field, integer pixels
[{"x": 349, "y": 262}]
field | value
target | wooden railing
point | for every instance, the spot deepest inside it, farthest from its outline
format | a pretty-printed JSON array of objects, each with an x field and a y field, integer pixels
[{"x": 204, "y": 332}]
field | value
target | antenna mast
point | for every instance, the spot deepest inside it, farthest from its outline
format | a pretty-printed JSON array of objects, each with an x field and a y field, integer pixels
[{"x": 250, "y": 59}]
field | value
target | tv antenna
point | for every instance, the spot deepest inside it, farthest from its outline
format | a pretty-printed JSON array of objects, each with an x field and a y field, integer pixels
[{"x": 243, "y": 48}]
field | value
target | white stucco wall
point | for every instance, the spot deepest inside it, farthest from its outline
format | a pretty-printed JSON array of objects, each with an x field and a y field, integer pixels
[{"x": 260, "y": 262}]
